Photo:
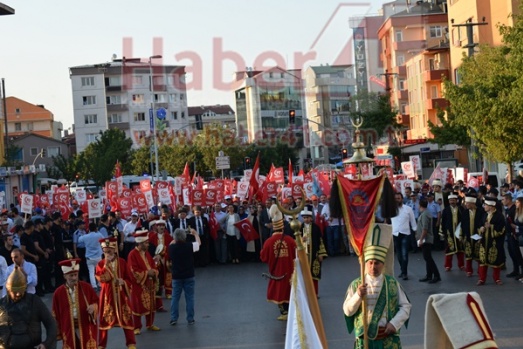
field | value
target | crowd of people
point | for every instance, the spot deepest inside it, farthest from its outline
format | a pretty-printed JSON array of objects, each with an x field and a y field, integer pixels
[{"x": 112, "y": 271}]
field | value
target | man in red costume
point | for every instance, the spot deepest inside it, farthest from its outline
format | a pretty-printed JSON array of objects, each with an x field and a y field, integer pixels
[
  {"x": 143, "y": 273},
  {"x": 115, "y": 305},
  {"x": 159, "y": 240},
  {"x": 279, "y": 252},
  {"x": 75, "y": 308}
]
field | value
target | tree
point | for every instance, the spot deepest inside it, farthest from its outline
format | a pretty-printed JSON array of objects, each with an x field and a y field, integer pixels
[
  {"x": 489, "y": 97},
  {"x": 13, "y": 156},
  {"x": 450, "y": 131},
  {"x": 97, "y": 161},
  {"x": 63, "y": 168},
  {"x": 376, "y": 111}
]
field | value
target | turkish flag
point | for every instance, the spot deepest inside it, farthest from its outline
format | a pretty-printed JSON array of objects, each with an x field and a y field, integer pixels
[
  {"x": 324, "y": 184},
  {"x": 247, "y": 230},
  {"x": 186, "y": 175},
  {"x": 213, "y": 225},
  {"x": 253, "y": 182}
]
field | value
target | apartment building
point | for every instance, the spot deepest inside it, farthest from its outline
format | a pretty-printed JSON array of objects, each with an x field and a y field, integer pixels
[{"x": 122, "y": 94}]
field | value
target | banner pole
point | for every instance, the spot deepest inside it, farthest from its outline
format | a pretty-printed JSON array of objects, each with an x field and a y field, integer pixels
[{"x": 364, "y": 303}]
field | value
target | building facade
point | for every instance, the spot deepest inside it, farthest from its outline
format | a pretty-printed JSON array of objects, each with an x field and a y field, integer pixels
[
  {"x": 212, "y": 114},
  {"x": 328, "y": 91},
  {"x": 119, "y": 94}
]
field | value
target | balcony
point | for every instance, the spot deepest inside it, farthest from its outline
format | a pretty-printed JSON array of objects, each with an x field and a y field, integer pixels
[
  {"x": 402, "y": 94},
  {"x": 160, "y": 87},
  {"x": 403, "y": 120},
  {"x": 436, "y": 75},
  {"x": 437, "y": 103},
  {"x": 117, "y": 107},
  {"x": 400, "y": 70},
  {"x": 113, "y": 88},
  {"x": 413, "y": 45},
  {"x": 123, "y": 126}
]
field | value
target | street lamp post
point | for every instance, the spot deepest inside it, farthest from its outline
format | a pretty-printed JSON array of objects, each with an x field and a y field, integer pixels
[{"x": 151, "y": 88}]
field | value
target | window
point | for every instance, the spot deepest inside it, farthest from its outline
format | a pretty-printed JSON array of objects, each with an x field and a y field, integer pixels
[
  {"x": 91, "y": 137},
  {"x": 138, "y": 99},
  {"x": 90, "y": 119},
  {"x": 400, "y": 60},
  {"x": 160, "y": 98},
  {"x": 282, "y": 75},
  {"x": 270, "y": 75},
  {"x": 403, "y": 108},
  {"x": 182, "y": 96},
  {"x": 112, "y": 81},
  {"x": 431, "y": 64},
  {"x": 158, "y": 80},
  {"x": 117, "y": 99},
  {"x": 174, "y": 115},
  {"x": 399, "y": 36},
  {"x": 17, "y": 110},
  {"x": 88, "y": 81},
  {"x": 89, "y": 100},
  {"x": 33, "y": 151},
  {"x": 18, "y": 126},
  {"x": 29, "y": 126},
  {"x": 172, "y": 98},
  {"x": 53, "y": 151},
  {"x": 137, "y": 80},
  {"x": 434, "y": 91},
  {"x": 114, "y": 118},
  {"x": 401, "y": 85},
  {"x": 139, "y": 116},
  {"x": 435, "y": 31}
]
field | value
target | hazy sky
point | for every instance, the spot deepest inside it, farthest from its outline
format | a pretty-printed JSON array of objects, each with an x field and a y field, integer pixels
[{"x": 212, "y": 38}]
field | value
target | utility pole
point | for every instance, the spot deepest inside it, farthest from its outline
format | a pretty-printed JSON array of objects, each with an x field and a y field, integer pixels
[
  {"x": 387, "y": 82},
  {"x": 469, "y": 26}
]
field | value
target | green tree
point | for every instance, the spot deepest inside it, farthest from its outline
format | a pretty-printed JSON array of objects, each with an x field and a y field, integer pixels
[
  {"x": 450, "y": 131},
  {"x": 63, "y": 167},
  {"x": 13, "y": 156},
  {"x": 376, "y": 111},
  {"x": 97, "y": 161},
  {"x": 489, "y": 97}
]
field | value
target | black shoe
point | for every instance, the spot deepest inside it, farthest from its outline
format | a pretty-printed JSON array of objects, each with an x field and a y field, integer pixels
[
  {"x": 173, "y": 322},
  {"x": 425, "y": 279},
  {"x": 405, "y": 277},
  {"x": 433, "y": 281},
  {"x": 512, "y": 275},
  {"x": 401, "y": 276},
  {"x": 191, "y": 322}
]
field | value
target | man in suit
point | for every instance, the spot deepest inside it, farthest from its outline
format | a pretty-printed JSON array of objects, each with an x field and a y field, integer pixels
[
  {"x": 182, "y": 221},
  {"x": 200, "y": 223},
  {"x": 264, "y": 222}
]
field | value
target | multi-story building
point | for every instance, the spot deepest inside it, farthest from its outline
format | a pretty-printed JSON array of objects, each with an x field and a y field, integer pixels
[
  {"x": 211, "y": 114},
  {"x": 264, "y": 102},
  {"x": 328, "y": 91},
  {"x": 119, "y": 94},
  {"x": 367, "y": 46},
  {"x": 481, "y": 18},
  {"x": 403, "y": 35}
]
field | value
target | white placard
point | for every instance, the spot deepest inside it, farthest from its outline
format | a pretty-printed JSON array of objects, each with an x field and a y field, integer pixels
[
  {"x": 408, "y": 169},
  {"x": 149, "y": 198},
  {"x": 94, "y": 207},
  {"x": 27, "y": 204}
]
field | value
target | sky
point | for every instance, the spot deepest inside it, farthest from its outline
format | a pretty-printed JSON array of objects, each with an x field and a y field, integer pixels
[{"x": 213, "y": 39}]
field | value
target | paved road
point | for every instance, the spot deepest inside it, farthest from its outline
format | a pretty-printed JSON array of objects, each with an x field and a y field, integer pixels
[{"x": 231, "y": 311}]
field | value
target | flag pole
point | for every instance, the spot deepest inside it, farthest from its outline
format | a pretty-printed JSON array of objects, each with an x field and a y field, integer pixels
[
  {"x": 364, "y": 303},
  {"x": 312, "y": 299}
]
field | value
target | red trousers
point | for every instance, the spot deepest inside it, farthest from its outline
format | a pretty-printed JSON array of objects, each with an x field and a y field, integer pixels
[
  {"x": 129, "y": 338},
  {"x": 468, "y": 267},
  {"x": 496, "y": 273},
  {"x": 461, "y": 260},
  {"x": 149, "y": 321}
]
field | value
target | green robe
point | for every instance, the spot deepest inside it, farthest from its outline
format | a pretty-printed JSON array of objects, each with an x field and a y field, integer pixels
[{"x": 387, "y": 300}]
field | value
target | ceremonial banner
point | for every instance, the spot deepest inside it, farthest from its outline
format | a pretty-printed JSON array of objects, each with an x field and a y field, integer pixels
[
  {"x": 359, "y": 199},
  {"x": 247, "y": 230}
]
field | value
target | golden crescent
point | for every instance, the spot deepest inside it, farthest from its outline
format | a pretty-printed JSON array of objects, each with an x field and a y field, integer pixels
[
  {"x": 295, "y": 211},
  {"x": 358, "y": 124}
]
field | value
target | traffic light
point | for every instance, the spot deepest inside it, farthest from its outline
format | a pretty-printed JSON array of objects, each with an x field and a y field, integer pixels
[
  {"x": 247, "y": 163},
  {"x": 44, "y": 152},
  {"x": 344, "y": 153},
  {"x": 292, "y": 117}
]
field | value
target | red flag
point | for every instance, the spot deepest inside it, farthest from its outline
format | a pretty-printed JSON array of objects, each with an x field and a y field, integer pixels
[
  {"x": 186, "y": 174},
  {"x": 247, "y": 230},
  {"x": 323, "y": 183},
  {"x": 321, "y": 222},
  {"x": 359, "y": 199},
  {"x": 290, "y": 173},
  {"x": 253, "y": 182},
  {"x": 271, "y": 173},
  {"x": 214, "y": 226}
]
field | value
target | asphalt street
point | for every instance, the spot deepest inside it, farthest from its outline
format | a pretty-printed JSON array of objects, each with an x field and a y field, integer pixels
[{"x": 232, "y": 311}]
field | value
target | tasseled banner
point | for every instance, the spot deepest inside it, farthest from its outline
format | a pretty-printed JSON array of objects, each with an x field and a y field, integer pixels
[
  {"x": 389, "y": 207},
  {"x": 335, "y": 201}
]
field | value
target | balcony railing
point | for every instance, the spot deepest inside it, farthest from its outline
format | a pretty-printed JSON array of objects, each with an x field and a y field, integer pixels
[
  {"x": 437, "y": 103},
  {"x": 436, "y": 75}
]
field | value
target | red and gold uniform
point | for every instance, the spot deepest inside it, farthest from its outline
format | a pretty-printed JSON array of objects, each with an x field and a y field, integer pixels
[
  {"x": 71, "y": 303},
  {"x": 115, "y": 303},
  {"x": 143, "y": 275},
  {"x": 161, "y": 238}
]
